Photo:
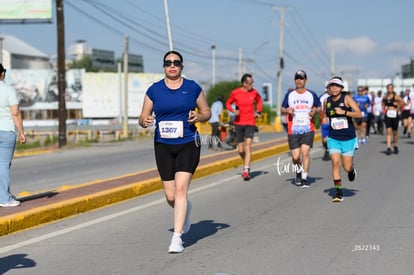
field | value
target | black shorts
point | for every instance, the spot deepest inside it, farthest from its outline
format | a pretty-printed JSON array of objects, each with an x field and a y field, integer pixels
[
  {"x": 391, "y": 123},
  {"x": 359, "y": 121},
  {"x": 405, "y": 114},
  {"x": 296, "y": 140},
  {"x": 244, "y": 131},
  {"x": 176, "y": 158}
]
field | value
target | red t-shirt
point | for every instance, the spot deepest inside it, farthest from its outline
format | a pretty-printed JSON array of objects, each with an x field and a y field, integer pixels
[{"x": 245, "y": 102}]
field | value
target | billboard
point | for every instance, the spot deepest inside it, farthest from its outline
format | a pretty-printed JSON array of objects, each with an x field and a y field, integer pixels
[
  {"x": 102, "y": 93},
  {"x": 38, "y": 89},
  {"x": 99, "y": 95},
  {"x": 18, "y": 10}
]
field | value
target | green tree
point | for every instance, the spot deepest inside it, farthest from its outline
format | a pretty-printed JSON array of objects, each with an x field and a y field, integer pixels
[
  {"x": 86, "y": 63},
  {"x": 222, "y": 88},
  {"x": 83, "y": 63}
]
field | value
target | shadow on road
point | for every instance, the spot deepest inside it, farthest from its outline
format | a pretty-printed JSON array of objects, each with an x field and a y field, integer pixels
[
  {"x": 201, "y": 230},
  {"x": 345, "y": 192},
  {"x": 47, "y": 194},
  {"x": 311, "y": 180},
  {"x": 15, "y": 261}
]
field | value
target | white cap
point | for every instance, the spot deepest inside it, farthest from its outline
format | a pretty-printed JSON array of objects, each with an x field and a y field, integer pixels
[{"x": 336, "y": 81}]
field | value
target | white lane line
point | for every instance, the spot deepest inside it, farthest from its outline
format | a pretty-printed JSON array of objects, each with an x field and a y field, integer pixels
[
  {"x": 77, "y": 227},
  {"x": 8, "y": 248}
]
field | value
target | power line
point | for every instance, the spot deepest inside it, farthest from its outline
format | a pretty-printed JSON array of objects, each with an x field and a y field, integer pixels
[
  {"x": 107, "y": 26},
  {"x": 307, "y": 33}
]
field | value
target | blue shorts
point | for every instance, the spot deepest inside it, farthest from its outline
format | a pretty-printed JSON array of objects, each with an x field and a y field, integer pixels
[
  {"x": 343, "y": 147},
  {"x": 325, "y": 130}
]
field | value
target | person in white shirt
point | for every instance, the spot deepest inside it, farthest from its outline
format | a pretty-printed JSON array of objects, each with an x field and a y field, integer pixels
[
  {"x": 370, "y": 110},
  {"x": 10, "y": 122},
  {"x": 406, "y": 113},
  {"x": 216, "y": 110},
  {"x": 378, "y": 113}
]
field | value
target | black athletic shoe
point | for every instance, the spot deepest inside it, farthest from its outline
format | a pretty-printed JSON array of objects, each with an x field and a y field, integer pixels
[
  {"x": 388, "y": 151},
  {"x": 304, "y": 184},
  {"x": 298, "y": 180},
  {"x": 352, "y": 174},
  {"x": 395, "y": 150},
  {"x": 338, "y": 197}
]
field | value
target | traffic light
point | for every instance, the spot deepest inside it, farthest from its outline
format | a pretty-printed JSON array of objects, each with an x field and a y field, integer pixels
[{"x": 266, "y": 92}]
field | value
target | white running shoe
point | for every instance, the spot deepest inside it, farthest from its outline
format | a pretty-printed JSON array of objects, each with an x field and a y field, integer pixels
[
  {"x": 187, "y": 223},
  {"x": 176, "y": 245},
  {"x": 11, "y": 203}
]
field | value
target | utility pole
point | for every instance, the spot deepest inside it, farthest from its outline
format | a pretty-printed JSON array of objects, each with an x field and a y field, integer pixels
[
  {"x": 1, "y": 49},
  {"x": 349, "y": 74},
  {"x": 332, "y": 62},
  {"x": 278, "y": 122},
  {"x": 125, "y": 97},
  {"x": 167, "y": 20},
  {"x": 213, "y": 64},
  {"x": 241, "y": 71},
  {"x": 61, "y": 72}
]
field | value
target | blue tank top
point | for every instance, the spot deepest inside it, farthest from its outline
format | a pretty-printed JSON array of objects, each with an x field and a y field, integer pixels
[
  {"x": 171, "y": 108},
  {"x": 340, "y": 126}
]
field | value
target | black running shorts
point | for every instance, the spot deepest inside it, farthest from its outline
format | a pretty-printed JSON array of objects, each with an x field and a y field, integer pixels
[
  {"x": 296, "y": 140},
  {"x": 176, "y": 158},
  {"x": 244, "y": 131}
]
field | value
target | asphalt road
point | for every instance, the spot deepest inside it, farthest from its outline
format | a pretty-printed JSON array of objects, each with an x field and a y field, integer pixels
[
  {"x": 37, "y": 173},
  {"x": 264, "y": 226}
]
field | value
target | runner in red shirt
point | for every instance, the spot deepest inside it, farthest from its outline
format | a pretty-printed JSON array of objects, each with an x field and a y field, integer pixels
[{"x": 245, "y": 98}]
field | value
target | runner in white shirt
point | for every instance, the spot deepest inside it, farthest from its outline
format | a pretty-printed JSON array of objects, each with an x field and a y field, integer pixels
[
  {"x": 378, "y": 113},
  {"x": 406, "y": 113}
]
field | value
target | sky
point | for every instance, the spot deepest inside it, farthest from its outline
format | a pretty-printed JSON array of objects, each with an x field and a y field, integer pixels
[{"x": 353, "y": 39}]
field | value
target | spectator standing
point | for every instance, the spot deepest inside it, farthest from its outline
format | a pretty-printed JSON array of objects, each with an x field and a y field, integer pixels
[
  {"x": 10, "y": 121},
  {"x": 216, "y": 110}
]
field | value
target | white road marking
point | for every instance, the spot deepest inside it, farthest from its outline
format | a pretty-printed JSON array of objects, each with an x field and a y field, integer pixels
[{"x": 8, "y": 248}]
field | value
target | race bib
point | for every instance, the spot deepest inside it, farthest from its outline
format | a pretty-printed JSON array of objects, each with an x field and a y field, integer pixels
[
  {"x": 338, "y": 123},
  {"x": 301, "y": 119},
  {"x": 392, "y": 113},
  {"x": 171, "y": 129}
]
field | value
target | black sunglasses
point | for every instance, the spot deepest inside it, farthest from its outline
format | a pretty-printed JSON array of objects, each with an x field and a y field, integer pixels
[{"x": 177, "y": 63}]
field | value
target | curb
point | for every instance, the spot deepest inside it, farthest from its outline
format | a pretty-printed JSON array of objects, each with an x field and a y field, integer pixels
[{"x": 69, "y": 207}]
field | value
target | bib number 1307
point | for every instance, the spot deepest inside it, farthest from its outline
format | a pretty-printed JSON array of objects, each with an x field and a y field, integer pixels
[{"x": 171, "y": 129}]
